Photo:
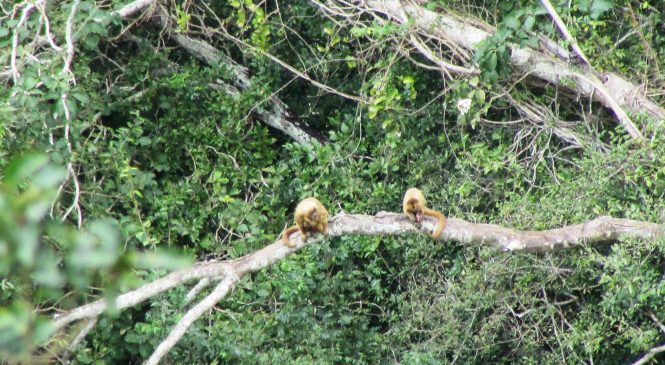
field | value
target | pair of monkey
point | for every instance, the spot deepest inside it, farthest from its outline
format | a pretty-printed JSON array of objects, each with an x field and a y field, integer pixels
[{"x": 312, "y": 217}]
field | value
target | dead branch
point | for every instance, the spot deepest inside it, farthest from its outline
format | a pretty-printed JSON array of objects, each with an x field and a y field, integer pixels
[
  {"x": 598, "y": 230},
  {"x": 192, "y": 315},
  {"x": 602, "y": 229},
  {"x": 653, "y": 352},
  {"x": 277, "y": 117},
  {"x": 134, "y": 7},
  {"x": 609, "y": 89},
  {"x": 78, "y": 339},
  {"x": 564, "y": 31}
]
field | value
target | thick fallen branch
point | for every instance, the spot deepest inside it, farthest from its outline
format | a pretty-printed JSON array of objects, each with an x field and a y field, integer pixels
[
  {"x": 277, "y": 117},
  {"x": 611, "y": 90}
]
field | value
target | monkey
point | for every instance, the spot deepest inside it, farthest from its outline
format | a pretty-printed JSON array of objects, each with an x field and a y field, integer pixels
[
  {"x": 415, "y": 207},
  {"x": 311, "y": 217}
]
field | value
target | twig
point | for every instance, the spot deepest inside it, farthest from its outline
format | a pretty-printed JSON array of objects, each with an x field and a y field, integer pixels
[
  {"x": 295, "y": 71},
  {"x": 24, "y": 17},
  {"x": 78, "y": 339},
  {"x": 75, "y": 199},
  {"x": 443, "y": 66},
  {"x": 70, "y": 39},
  {"x": 47, "y": 27},
  {"x": 564, "y": 31},
  {"x": 656, "y": 321}
]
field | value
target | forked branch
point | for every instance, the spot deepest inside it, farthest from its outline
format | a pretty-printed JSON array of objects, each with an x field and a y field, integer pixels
[{"x": 602, "y": 229}]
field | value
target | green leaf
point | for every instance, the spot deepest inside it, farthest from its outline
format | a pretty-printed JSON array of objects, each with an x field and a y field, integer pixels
[
  {"x": 512, "y": 22},
  {"x": 492, "y": 61},
  {"x": 49, "y": 177},
  {"x": 598, "y": 7},
  {"x": 529, "y": 22},
  {"x": 22, "y": 168},
  {"x": 27, "y": 241}
]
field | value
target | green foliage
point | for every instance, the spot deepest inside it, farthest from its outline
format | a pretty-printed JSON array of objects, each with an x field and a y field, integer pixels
[
  {"x": 166, "y": 158},
  {"x": 41, "y": 259}
]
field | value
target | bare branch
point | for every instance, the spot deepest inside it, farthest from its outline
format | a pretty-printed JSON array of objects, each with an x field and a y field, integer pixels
[
  {"x": 29, "y": 7},
  {"x": 192, "y": 315},
  {"x": 78, "y": 339},
  {"x": 70, "y": 39},
  {"x": 47, "y": 27},
  {"x": 147, "y": 291},
  {"x": 75, "y": 199},
  {"x": 657, "y": 321},
  {"x": 444, "y": 66},
  {"x": 541, "y": 116},
  {"x": 564, "y": 31},
  {"x": 383, "y": 223},
  {"x": 653, "y": 352},
  {"x": 601, "y": 229},
  {"x": 134, "y": 7},
  {"x": 193, "y": 292},
  {"x": 297, "y": 72},
  {"x": 278, "y": 117},
  {"x": 608, "y": 89}
]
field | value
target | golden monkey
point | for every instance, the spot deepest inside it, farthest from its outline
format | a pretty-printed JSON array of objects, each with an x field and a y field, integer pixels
[
  {"x": 311, "y": 217},
  {"x": 415, "y": 207}
]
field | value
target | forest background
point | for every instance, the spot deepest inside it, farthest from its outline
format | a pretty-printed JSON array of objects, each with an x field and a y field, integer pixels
[{"x": 153, "y": 152}]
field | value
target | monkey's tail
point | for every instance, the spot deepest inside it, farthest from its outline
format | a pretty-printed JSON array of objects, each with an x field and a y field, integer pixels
[
  {"x": 439, "y": 217},
  {"x": 287, "y": 233}
]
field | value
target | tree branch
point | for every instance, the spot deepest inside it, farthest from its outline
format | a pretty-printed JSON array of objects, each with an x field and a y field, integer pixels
[
  {"x": 601, "y": 229},
  {"x": 564, "y": 31},
  {"x": 598, "y": 230},
  {"x": 278, "y": 117},
  {"x": 134, "y": 7},
  {"x": 610, "y": 90},
  {"x": 78, "y": 339},
  {"x": 653, "y": 352},
  {"x": 193, "y": 292},
  {"x": 192, "y": 315}
]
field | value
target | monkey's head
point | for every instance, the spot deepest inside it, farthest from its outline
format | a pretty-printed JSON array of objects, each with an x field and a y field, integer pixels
[{"x": 414, "y": 209}]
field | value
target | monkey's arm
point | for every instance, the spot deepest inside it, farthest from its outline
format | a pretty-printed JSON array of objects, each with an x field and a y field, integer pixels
[
  {"x": 440, "y": 217},
  {"x": 287, "y": 233}
]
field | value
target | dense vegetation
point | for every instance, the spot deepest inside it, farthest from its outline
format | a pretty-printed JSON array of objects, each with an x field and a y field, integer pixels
[{"x": 150, "y": 162}]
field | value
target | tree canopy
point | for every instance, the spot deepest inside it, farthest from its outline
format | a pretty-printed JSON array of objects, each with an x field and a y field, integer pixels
[{"x": 154, "y": 151}]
